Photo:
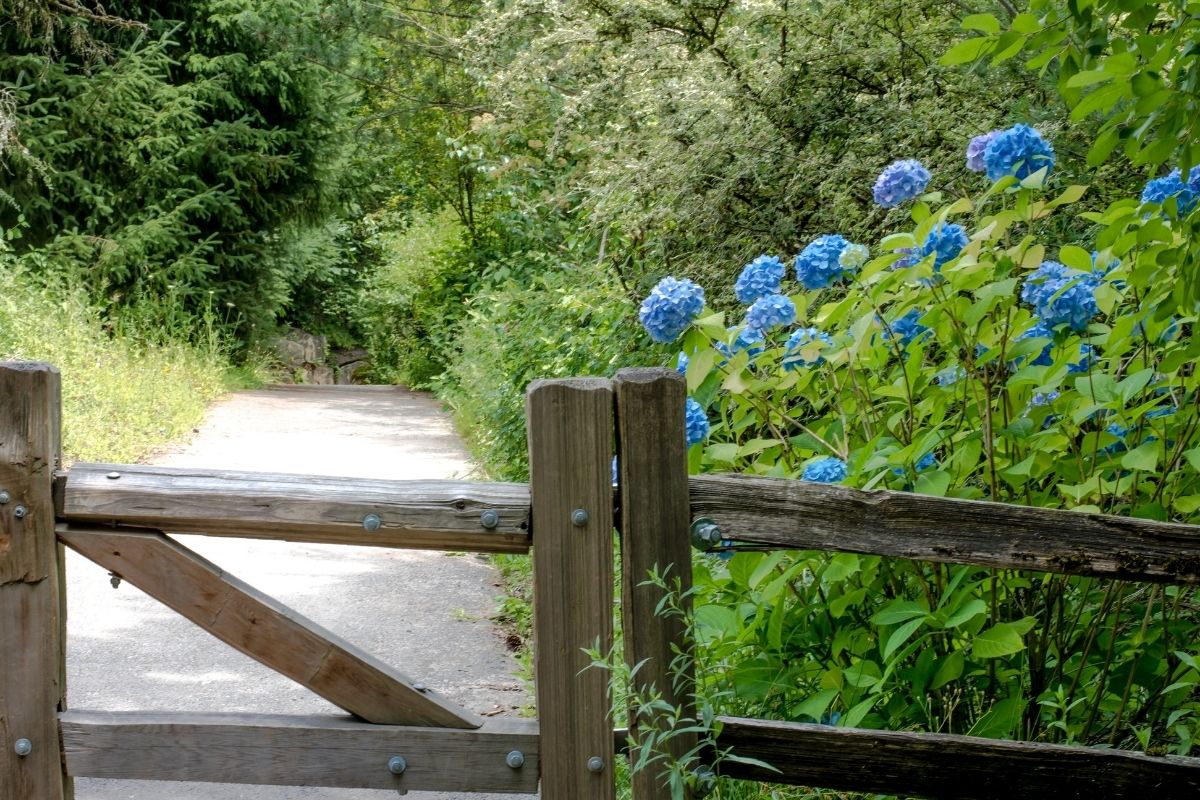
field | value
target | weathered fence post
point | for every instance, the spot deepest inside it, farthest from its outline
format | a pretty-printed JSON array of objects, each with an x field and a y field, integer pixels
[
  {"x": 31, "y": 639},
  {"x": 653, "y": 490},
  {"x": 570, "y": 426}
]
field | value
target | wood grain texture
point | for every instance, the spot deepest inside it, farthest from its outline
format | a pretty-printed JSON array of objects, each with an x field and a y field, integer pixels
[
  {"x": 298, "y": 751},
  {"x": 812, "y": 516},
  {"x": 570, "y": 425},
  {"x": 950, "y": 767},
  {"x": 422, "y": 515},
  {"x": 654, "y": 522},
  {"x": 32, "y": 687},
  {"x": 263, "y": 628}
]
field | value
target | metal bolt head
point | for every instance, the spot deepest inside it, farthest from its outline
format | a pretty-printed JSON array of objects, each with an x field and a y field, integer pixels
[
  {"x": 515, "y": 759},
  {"x": 705, "y": 534},
  {"x": 112, "y": 476},
  {"x": 490, "y": 519},
  {"x": 579, "y": 517},
  {"x": 371, "y": 522},
  {"x": 420, "y": 687},
  {"x": 20, "y": 512},
  {"x": 4, "y": 497},
  {"x": 596, "y": 764},
  {"x": 397, "y": 765},
  {"x": 23, "y": 747}
]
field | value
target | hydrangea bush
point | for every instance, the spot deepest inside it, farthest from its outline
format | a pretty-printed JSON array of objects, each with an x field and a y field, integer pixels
[{"x": 965, "y": 357}]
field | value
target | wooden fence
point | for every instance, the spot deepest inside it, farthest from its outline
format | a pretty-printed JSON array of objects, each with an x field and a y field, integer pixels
[{"x": 402, "y": 736}]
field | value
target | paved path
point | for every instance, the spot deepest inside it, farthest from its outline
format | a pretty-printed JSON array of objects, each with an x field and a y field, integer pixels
[{"x": 424, "y": 613}]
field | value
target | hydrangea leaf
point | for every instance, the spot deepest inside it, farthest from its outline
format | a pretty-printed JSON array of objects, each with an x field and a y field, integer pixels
[
  {"x": 1075, "y": 258},
  {"x": 1144, "y": 457}
]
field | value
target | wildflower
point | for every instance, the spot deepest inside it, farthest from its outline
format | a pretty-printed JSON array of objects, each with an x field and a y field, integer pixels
[
  {"x": 906, "y": 328},
  {"x": 803, "y": 348},
  {"x": 771, "y": 312},
  {"x": 900, "y": 182},
  {"x": 670, "y": 308},
  {"x": 1019, "y": 151},
  {"x": 825, "y": 470},
  {"x": 1160, "y": 190},
  {"x": 759, "y": 278},
  {"x": 695, "y": 422},
  {"x": 819, "y": 264},
  {"x": 975, "y": 151},
  {"x": 946, "y": 241}
]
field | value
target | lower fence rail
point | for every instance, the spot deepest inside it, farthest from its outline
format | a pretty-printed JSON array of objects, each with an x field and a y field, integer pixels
[
  {"x": 945, "y": 766},
  {"x": 335, "y": 752}
]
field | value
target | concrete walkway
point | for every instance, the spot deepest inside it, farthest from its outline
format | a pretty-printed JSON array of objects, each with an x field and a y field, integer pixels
[{"x": 427, "y": 614}]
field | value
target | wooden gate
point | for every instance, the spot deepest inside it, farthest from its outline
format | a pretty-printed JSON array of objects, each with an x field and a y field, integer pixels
[{"x": 402, "y": 736}]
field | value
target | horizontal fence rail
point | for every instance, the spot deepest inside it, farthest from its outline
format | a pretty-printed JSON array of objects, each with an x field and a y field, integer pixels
[
  {"x": 420, "y": 515},
  {"x": 299, "y": 751},
  {"x": 803, "y": 515},
  {"x": 947, "y": 767}
]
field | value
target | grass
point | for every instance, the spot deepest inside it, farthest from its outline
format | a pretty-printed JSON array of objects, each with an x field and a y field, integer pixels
[{"x": 123, "y": 394}]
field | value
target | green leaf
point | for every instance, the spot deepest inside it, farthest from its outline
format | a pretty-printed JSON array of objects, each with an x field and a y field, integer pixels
[
  {"x": 1001, "y": 720},
  {"x": 775, "y": 626},
  {"x": 985, "y": 23},
  {"x": 935, "y": 483},
  {"x": 1075, "y": 258},
  {"x": 1089, "y": 78},
  {"x": 949, "y": 669},
  {"x": 898, "y": 611},
  {"x": 815, "y": 706},
  {"x": 862, "y": 674},
  {"x": 901, "y": 635},
  {"x": 1002, "y": 639},
  {"x": 854, "y": 716},
  {"x": 1144, "y": 457},
  {"x": 1132, "y": 385},
  {"x": 719, "y": 618},
  {"x": 969, "y": 610},
  {"x": 841, "y": 566},
  {"x": 968, "y": 50}
]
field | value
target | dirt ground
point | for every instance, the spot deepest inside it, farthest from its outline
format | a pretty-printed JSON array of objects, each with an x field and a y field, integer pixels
[{"x": 427, "y": 614}]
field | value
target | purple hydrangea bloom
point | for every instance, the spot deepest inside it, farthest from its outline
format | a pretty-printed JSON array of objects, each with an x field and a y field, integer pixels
[
  {"x": 759, "y": 278},
  {"x": 1062, "y": 296},
  {"x": 946, "y": 241},
  {"x": 825, "y": 470},
  {"x": 819, "y": 264},
  {"x": 695, "y": 422},
  {"x": 975, "y": 151},
  {"x": 1186, "y": 194},
  {"x": 771, "y": 312},
  {"x": 1019, "y": 151},
  {"x": 801, "y": 339},
  {"x": 900, "y": 182},
  {"x": 906, "y": 328},
  {"x": 670, "y": 308}
]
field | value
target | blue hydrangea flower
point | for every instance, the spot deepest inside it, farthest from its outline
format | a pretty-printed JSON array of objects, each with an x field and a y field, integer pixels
[
  {"x": 825, "y": 470},
  {"x": 804, "y": 339},
  {"x": 900, "y": 182},
  {"x": 759, "y": 278},
  {"x": 927, "y": 461},
  {"x": 906, "y": 328},
  {"x": 1043, "y": 399},
  {"x": 1087, "y": 357},
  {"x": 1119, "y": 446},
  {"x": 819, "y": 264},
  {"x": 681, "y": 363},
  {"x": 1165, "y": 411},
  {"x": 771, "y": 312},
  {"x": 946, "y": 241},
  {"x": 670, "y": 308},
  {"x": 853, "y": 256},
  {"x": 1019, "y": 151},
  {"x": 1061, "y": 296},
  {"x": 1186, "y": 194},
  {"x": 1038, "y": 331},
  {"x": 748, "y": 339},
  {"x": 909, "y": 257},
  {"x": 949, "y": 376},
  {"x": 975, "y": 151},
  {"x": 614, "y": 471},
  {"x": 695, "y": 422}
]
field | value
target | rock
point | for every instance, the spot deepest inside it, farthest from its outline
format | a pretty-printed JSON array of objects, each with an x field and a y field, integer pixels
[
  {"x": 291, "y": 353},
  {"x": 319, "y": 375},
  {"x": 344, "y": 357},
  {"x": 347, "y": 372}
]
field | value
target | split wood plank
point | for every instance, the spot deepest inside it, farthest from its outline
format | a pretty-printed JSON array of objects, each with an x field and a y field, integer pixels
[
  {"x": 263, "y": 628},
  {"x": 811, "y": 516},
  {"x": 654, "y": 522},
  {"x": 947, "y": 767},
  {"x": 421, "y": 515},
  {"x": 32, "y": 686},
  {"x": 570, "y": 425},
  {"x": 298, "y": 751}
]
